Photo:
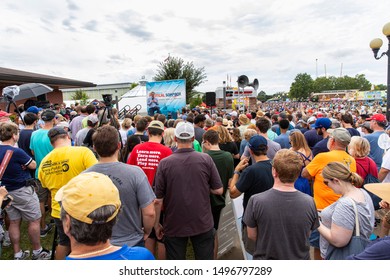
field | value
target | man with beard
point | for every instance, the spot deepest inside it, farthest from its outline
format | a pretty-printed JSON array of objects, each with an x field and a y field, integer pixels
[{"x": 321, "y": 126}]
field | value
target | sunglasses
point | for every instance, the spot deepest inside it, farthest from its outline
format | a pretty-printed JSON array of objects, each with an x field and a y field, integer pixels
[{"x": 326, "y": 182}]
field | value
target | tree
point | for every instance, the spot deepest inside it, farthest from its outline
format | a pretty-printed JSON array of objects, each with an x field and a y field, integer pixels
[
  {"x": 302, "y": 86},
  {"x": 381, "y": 87},
  {"x": 323, "y": 83},
  {"x": 175, "y": 68},
  {"x": 81, "y": 96},
  {"x": 262, "y": 96}
]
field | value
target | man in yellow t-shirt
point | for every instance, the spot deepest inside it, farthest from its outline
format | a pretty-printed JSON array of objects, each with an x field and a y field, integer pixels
[
  {"x": 324, "y": 196},
  {"x": 57, "y": 169}
]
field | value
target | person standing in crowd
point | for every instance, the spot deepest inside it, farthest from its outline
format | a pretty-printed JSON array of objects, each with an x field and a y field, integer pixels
[
  {"x": 378, "y": 123},
  {"x": 147, "y": 156},
  {"x": 30, "y": 120},
  {"x": 92, "y": 122},
  {"x": 137, "y": 219},
  {"x": 312, "y": 138},
  {"x": 321, "y": 126},
  {"x": 125, "y": 126},
  {"x": 40, "y": 146},
  {"x": 25, "y": 204},
  {"x": 90, "y": 111},
  {"x": 89, "y": 230},
  {"x": 226, "y": 143},
  {"x": 299, "y": 146},
  {"x": 324, "y": 196},
  {"x": 199, "y": 122},
  {"x": 359, "y": 148},
  {"x": 252, "y": 179},
  {"x": 224, "y": 162},
  {"x": 263, "y": 126},
  {"x": 244, "y": 122},
  {"x": 338, "y": 219},
  {"x": 57, "y": 168},
  {"x": 77, "y": 122},
  {"x": 295, "y": 211},
  {"x": 282, "y": 138},
  {"x": 153, "y": 106},
  {"x": 187, "y": 208},
  {"x": 347, "y": 123}
]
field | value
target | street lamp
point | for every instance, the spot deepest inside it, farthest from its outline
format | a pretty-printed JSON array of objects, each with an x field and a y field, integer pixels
[{"x": 375, "y": 45}]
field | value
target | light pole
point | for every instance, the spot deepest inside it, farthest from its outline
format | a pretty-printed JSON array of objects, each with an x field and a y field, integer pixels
[{"x": 375, "y": 45}]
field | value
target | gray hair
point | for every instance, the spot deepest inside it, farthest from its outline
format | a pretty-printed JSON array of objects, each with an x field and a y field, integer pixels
[{"x": 91, "y": 234}]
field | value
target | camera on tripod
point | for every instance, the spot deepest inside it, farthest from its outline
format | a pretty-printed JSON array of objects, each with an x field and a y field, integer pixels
[{"x": 107, "y": 99}]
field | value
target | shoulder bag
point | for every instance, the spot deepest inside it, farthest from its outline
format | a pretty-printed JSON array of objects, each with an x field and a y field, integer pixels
[{"x": 356, "y": 245}]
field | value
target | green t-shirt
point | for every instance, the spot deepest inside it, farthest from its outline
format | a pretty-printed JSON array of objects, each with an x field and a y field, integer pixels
[{"x": 225, "y": 166}]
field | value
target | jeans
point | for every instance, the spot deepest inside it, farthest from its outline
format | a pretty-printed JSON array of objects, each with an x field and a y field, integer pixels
[{"x": 153, "y": 110}]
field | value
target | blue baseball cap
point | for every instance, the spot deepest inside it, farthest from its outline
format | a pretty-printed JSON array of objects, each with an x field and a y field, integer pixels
[
  {"x": 323, "y": 123},
  {"x": 256, "y": 142},
  {"x": 33, "y": 109}
]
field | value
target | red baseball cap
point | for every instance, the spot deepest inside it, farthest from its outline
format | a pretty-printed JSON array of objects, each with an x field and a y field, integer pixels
[
  {"x": 249, "y": 116},
  {"x": 378, "y": 118}
]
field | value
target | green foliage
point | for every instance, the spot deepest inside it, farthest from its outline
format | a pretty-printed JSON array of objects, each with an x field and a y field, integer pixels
[
  {"x": 302, "y": 86},
  {"x": 381, "y": 87},
  {"x": 195, "y": 100},
  {"x": 175, "y": 68},
  {"x": 262, "y": 96},
  {"x": 133, "y": 85},
  {"x": 80, "y": 95}
]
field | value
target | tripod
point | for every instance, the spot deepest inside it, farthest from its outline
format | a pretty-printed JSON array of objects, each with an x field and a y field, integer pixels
[{"x": 16, "y": 108}]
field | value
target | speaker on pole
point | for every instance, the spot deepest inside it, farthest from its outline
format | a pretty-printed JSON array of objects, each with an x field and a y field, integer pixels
[{"x": 210, "y": 99}]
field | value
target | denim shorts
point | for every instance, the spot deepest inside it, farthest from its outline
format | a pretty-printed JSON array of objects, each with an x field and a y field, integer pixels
[{"x": 314, "y": 238}]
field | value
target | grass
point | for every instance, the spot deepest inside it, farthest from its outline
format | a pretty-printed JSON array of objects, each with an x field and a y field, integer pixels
[
  {"x": 7, "y": 253},
  {"x": 46, "y": 242}
]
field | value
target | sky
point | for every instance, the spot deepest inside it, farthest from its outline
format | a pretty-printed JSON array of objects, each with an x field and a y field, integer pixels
[{"x": 118, "y": 41}]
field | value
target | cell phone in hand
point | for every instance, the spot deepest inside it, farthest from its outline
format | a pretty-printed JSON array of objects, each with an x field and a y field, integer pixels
[{"x": 6, "y": 201}]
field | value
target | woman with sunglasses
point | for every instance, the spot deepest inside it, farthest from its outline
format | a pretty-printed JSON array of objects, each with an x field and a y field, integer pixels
[{"x": 338, "y": 219}]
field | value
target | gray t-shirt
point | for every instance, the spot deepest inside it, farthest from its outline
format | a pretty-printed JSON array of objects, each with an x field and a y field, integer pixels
[
  {"x": 284, "y": 221},
  {"x": 135, "y": 194},
  {"x": 342, "y": 214},
  {"x": 273, "y": 147}
]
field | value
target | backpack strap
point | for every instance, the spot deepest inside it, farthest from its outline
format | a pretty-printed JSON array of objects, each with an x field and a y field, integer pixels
[{"x": 363, "y": 167}]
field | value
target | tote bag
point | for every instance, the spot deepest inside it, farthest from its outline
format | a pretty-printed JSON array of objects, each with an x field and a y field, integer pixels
[{"x": 356, "y": 245}]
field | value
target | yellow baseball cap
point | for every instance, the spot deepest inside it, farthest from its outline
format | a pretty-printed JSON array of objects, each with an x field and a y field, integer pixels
[{"x": 87, "y": 192}]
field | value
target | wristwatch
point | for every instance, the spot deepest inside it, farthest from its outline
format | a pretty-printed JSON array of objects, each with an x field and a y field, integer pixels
[{"x": 236, "y": 172}]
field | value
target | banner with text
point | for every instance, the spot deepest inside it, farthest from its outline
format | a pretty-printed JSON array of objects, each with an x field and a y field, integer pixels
[{"x": 171, "y": 95}]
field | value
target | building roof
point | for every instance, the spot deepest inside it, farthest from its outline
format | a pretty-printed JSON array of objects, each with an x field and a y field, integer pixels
[{"x": 16, "y": 77}]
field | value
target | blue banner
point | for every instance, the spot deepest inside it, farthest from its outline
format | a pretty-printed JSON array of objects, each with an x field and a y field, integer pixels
[{"x": 171, "y": 95}]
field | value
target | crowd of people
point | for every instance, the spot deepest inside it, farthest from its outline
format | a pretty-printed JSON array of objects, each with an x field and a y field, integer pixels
[{"x": 144, "y": 186}]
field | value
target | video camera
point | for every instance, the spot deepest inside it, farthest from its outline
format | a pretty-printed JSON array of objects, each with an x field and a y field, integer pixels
[{"x": 107, "y": 99}]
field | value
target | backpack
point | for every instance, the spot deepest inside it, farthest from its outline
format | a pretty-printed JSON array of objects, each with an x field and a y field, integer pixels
[
  {"x": 371, "y": 179},
  {"x": 303, "y": 184}
]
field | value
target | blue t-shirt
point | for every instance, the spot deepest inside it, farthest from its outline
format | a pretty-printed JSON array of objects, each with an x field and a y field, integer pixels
[
  {"x": 40, "y": 144},
  {"x": 376, "y": 153},
  {"x": 14, "y": 176},
  {"x": 379, "y": 249},
  {"x": 321, "y": 147},
  {"x": 124, "y": 253}
]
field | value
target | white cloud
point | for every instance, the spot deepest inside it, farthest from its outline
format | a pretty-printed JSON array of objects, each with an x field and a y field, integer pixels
[{"x": 120, "y": 41}]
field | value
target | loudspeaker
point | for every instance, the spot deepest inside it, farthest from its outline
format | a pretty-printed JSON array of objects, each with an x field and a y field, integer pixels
[{"x": 210, "y": 99}]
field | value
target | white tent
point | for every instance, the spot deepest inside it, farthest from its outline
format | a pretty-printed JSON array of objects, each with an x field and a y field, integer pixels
[{"x": 134, "y": 97}]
